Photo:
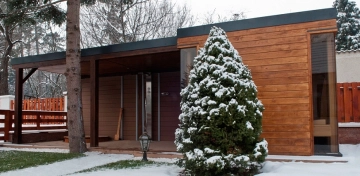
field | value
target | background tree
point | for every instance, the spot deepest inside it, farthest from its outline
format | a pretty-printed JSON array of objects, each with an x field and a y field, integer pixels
[
  {"x": 348, "y": 36},
  {"x": 220, "y": 123},
  {"x": 213, "y": 17},
  {"x": 16, "y": 13},
  {"x": 110, "y": 23}
]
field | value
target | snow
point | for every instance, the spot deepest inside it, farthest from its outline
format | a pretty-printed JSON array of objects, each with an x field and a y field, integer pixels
[
  {"x": 144, "y": 171},
  {"x": 351, "y": 153},
  {"x": 350, "y": 125},
  {"x": 215, "y": 159},
  {"x": 249, "y": 126},
  {"x": 209, "y": 150}
]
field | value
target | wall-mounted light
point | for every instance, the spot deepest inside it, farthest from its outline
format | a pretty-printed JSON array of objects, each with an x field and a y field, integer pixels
[{"x": 164, "y": 93}]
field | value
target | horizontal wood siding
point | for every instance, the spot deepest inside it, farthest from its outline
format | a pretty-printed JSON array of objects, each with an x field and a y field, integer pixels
[
  {"x": 109, "y": 105},
  {"x": 170, "y": 105},
  {"x": 278, "y": 59}
]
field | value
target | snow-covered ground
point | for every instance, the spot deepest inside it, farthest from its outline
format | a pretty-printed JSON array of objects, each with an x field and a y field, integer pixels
[{"x": 351, "y": 154}]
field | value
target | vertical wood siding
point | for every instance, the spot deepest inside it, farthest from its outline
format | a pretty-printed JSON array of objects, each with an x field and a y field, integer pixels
[
  {"x": 109, "y": 105},
  {"x": 155, "y": 113},
  {"x": 129, "y": 107},
  {"x": 278, "y": 59},
  {"x": 348, "y": 99}
]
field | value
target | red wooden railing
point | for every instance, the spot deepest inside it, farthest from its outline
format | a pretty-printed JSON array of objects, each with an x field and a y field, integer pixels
[
  {"x": 41, "y": 121},
  {"x": 348, "y": 99}
]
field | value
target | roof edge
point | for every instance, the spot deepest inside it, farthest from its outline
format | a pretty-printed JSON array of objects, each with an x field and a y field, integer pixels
[
  {"x": 268, "y": 21},
  {"x": 146, "y": 44}
]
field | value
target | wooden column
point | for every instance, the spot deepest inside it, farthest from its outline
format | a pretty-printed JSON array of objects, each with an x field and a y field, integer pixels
[
  {"x": 94, "y": 105},
  {"x": 17, "y": 139}
]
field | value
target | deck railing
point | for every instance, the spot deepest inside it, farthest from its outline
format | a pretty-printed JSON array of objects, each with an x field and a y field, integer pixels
[{"x": 40, "y": 122}]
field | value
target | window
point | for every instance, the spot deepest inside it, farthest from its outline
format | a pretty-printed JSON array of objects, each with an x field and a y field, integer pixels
[
  {"x": 324, "y": 93},
  {"x": 186, "y": 60}
]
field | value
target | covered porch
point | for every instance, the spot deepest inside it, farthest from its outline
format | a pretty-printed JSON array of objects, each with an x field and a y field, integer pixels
[{"x": 126, "y": 89}]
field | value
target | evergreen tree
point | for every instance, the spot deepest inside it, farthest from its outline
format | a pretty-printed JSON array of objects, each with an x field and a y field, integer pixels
[
  {"x": 348, "y": 36},
  {"x": 220, "y": 123}
]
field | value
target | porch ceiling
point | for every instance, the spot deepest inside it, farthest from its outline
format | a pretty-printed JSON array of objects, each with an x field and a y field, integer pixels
[{"x": 156, "y": 62}]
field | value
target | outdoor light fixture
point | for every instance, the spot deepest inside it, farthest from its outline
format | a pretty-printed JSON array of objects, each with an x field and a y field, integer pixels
[{"x": 145, "y": 144}]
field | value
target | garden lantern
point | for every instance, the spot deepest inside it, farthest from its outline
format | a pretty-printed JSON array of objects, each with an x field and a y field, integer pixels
[{"x": 145, "y": 144}]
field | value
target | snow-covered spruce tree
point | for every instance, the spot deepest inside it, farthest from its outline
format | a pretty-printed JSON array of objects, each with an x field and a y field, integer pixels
[
  {"x": 348, "y": 36},
  {"x": 220, "y": 123}
]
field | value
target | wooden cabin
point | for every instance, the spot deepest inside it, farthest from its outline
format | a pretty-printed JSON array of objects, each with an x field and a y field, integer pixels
[{"x": 291, "y": 57}]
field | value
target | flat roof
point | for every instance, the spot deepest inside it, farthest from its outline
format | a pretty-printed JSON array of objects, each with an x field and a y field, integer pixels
[
  {"x": 268, "y": 21},
  {"x": 276, "y": 20},
  {"x": 146, "y": 44}
]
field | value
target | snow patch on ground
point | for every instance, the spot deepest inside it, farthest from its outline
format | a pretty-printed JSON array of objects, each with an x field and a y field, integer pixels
[
  {"x": 350, "y": 124},
  {"x": 144, "y": 171},
  {"x": 351, "y": 153}
]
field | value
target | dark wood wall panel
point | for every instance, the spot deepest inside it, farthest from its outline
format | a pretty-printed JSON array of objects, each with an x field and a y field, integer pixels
[
  {"x": 170, "y": 105},
  {"x": 278, "y": 59},
  {"x": 129, "y": 122},
  {"x": 85, "y": 84},
  {"x": 155, "y": 113},
  {"x": 109, "y": 105},
  {"x": 140, "y": 105}
]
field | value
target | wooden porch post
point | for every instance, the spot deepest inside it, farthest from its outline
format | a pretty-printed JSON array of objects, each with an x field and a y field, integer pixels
[
  {"x": 94, "y": 105},
  {"x": 17, "y": 139}
]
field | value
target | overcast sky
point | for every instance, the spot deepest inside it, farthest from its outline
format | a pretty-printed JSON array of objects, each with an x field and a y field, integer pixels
[{"x": 256, "y": 8}]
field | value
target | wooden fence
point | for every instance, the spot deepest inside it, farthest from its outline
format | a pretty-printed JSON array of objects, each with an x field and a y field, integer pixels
[
  {"x": 41, "y": 122},
  {"x": 44, "y": 104},
  {"x": 348, "y": 99}
]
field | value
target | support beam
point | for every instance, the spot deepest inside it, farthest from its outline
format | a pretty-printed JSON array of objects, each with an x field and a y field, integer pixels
[
  {"x": 18, "y": 106},
  {"x": 94, "y": 105},
  {"x": 28, "y": 75}
]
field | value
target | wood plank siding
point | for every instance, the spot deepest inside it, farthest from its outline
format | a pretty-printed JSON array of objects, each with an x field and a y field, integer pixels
[
  {"x": 278, "y": 59},
  {"x": 109, "y": 105},
  {"x": 129, "y": 120}
]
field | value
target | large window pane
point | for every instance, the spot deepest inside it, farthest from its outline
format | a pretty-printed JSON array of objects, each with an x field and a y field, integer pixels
[
  {"x": 324, "y": 93},
  {"x": 187, "y": 59}
]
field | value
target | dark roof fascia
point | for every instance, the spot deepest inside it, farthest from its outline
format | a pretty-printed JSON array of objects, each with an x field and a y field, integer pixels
[
  {"x": 276, "y": 20},
  {"x": 147, "y": 44}
]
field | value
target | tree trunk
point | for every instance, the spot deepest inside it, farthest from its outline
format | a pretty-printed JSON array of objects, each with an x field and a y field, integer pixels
[
  {"x": 4, "y": 66},
  {"x": 73, "y": 77},
  {"x": 4, "y": 73}
]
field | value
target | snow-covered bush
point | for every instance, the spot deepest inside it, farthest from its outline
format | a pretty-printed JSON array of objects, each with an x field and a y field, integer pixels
[
  {"x": 220, "y": 123},
  {"x": 348, "y": 35}
]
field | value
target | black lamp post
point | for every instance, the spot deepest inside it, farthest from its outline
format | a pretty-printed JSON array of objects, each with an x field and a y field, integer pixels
[{"x": 145, "y": 144}]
